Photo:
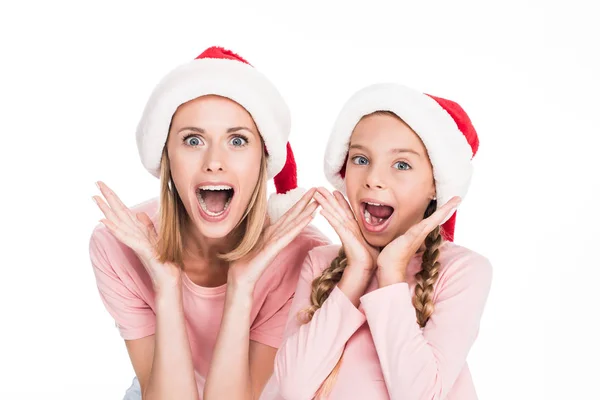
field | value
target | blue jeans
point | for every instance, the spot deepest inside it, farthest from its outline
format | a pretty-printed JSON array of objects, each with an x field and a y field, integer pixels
[{"x": 134, "y": 392}]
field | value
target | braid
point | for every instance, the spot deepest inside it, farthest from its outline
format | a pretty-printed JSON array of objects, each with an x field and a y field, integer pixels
[
  {"x": 321, "y": 289},
  {"x": 324, "y": 283},
  {"x": 428, "y": 275}
]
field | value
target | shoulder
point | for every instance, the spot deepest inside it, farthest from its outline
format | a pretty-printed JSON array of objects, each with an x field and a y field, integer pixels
[
  {"x": 464, "y": 267},
  {"x": 289, "y": 261},
  {"x": 298, "y": 249},
  {"x": 319, "y": 258}
]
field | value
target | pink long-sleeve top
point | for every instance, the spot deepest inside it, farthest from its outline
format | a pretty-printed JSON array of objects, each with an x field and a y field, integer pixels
[{"x": 386, "y": 355}]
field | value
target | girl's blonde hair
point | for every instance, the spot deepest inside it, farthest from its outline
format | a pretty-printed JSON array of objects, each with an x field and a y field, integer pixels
[
  {"x": 422, "y": 299},
  {"x": 174, "y": 218}
]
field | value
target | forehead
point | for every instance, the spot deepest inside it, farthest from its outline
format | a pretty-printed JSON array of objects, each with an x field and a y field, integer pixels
[
  {"x": 213, "y": 108},
  {"x": 382, "y": 131}
]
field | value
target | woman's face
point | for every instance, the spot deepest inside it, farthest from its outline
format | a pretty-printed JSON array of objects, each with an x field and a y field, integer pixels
[{"x": 215, "y": 153}]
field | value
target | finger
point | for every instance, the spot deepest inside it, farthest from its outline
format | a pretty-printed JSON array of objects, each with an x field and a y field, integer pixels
[
  {"x": 280, "y": 242},
  {"x": 297, "y": 208},
  {"x": 119, "y": 233},
  {"x": 106, "y": 210},
  {"x": 344, "y": 204},
  {"x": 345, "y": 235},
  {"x": 442, "y": 213},
  {"x": 309, "y": 211},
  {"x": 147, "y": 222},
  {"x": 115, "y": 203},
  {"x": 330, "y": 206},
  {"x": 274, "y": 246},
  {"x": 419, "y": 232}
]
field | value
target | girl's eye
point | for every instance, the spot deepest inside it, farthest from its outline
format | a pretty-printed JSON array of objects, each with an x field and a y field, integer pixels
[
  {"x": 360, "y": 160},
  {"x": 401, "y": 165},
  {"x": 239, "y": 141},
  {"x": 192, "y": 140}
]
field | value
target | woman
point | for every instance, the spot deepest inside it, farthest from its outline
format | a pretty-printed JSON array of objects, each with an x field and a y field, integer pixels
[{"x": 199, "y": 284}]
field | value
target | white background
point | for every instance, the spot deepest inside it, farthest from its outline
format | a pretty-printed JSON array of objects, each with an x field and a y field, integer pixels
[{"x": 75, "y": 77}]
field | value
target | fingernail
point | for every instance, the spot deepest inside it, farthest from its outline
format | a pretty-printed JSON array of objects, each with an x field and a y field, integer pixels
[
  {"x": 98, "y": 185},
  {"x": 94, "y": 198}
]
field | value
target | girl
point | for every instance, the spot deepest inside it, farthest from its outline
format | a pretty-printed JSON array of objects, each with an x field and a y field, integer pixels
[
  {"x": 393, "y": 313},
  {"x": 198, "y": 284}
]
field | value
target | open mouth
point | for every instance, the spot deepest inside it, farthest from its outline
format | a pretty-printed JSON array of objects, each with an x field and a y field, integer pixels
[
  {"x": 214, "y": 200},
  {"x": 375, "y": 215}
]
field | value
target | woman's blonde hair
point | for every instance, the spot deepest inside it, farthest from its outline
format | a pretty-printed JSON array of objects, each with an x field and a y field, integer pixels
[
  {"x": 174, "y": 218},
  {"x": 422, "y": 299}
]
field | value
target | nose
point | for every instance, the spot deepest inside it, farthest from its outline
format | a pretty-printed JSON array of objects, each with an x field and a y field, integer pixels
[
  {"x": 373, "y": 180},
  {"x": 214, "y": 161}
]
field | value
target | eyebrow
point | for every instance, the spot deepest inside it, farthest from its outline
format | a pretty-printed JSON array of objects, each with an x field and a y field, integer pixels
[
  {"x": 200, "y": 130},
  {"x": 395, "y": 151}
]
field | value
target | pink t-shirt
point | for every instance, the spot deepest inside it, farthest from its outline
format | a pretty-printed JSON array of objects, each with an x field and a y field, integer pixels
[
  {"x": 386, "y": 355},
  {"x": 126, "y": 291}
]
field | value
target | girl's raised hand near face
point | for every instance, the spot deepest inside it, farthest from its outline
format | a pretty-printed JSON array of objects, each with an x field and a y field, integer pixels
[
  {"x": 394, "y": 258},
  {"x": 338, "y": 213}
]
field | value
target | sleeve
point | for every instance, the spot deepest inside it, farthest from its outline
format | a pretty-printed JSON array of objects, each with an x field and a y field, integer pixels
[
  {"x": 133, "y": 316},
  {"x": 424, "y": 363},
  {"x": 269, "y": 325},
  {"x": 310, "y": 351}
]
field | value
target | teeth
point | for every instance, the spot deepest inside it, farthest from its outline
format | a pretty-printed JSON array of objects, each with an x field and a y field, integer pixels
[
  {"x": 371, "y": 219},
  {"x": 206, "y": 210},
  {"x": 215, "y": 187},
  {"x": 367, "y": 216}
]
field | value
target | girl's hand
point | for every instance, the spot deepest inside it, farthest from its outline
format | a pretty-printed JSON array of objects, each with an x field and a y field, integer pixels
[
  {"x": 338, "y": 213},
  {"x": 246, "y": 271},
  {"x": 138, "y": 232},
  {"x": 394, "y": 257}
]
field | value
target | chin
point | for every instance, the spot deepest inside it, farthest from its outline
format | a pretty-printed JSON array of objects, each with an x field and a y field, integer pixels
[{"x": 377, "y": 240}]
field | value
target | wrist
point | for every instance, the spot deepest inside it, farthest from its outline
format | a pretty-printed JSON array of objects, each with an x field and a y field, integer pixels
[
  {"x": 239, "y": 293},
  {"x": 354, "y": 284},
  {"x": 386, "y": 277},
  {"x": 165, "y": 293}
]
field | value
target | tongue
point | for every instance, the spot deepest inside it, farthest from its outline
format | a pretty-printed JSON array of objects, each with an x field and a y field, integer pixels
[
  {"x": 380, "y": 211},
  {"x": 215, "y": 200}
]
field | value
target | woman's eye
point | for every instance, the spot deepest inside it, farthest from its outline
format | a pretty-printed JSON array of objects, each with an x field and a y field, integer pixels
[
  {"x": 360, "y": 160},
  {"x": 193, "y": 141},
  {"x": 401, "y": 165},
  {"x": 238, "y": 141}
]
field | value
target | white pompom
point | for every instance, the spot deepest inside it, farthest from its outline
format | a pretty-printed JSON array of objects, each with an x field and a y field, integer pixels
[{"x": 279, "y": 204}]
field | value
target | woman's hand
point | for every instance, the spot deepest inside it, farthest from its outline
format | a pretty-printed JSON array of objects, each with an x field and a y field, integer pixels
[
  {"x": 244, "y": 273},
  {"x": 136, "y": 231}
]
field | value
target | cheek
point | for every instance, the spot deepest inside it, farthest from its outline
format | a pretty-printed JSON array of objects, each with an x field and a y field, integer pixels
[
  {"x": 246, "y": 167},
  {"x": 183, "y": 165},
  {"x": 353, "y": 179}
]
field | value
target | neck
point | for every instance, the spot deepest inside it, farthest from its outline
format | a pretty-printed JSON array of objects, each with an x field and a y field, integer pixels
[{"x": 203, "y": 252}]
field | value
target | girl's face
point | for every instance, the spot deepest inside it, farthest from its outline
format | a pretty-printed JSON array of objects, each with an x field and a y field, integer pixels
[
  {"x": 389, "y": 179},
  {"x": 215, "y": 155}
]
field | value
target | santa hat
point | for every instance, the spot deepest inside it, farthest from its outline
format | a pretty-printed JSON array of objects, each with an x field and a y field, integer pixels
[
  {"x": 221, "y": 72},
  {"x": 443, "y": 126}
]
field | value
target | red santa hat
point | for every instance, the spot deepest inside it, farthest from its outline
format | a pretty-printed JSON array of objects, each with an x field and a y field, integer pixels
[
  {"x": 443, "y": 126},
  {"x": 221, "y": 72}
]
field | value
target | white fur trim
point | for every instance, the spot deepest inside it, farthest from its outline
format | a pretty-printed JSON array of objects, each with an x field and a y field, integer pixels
[
  {"x": 235, "y": 80},
  {"x": 449, "y": 151},
  {"x": 279, "y": 204}
]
